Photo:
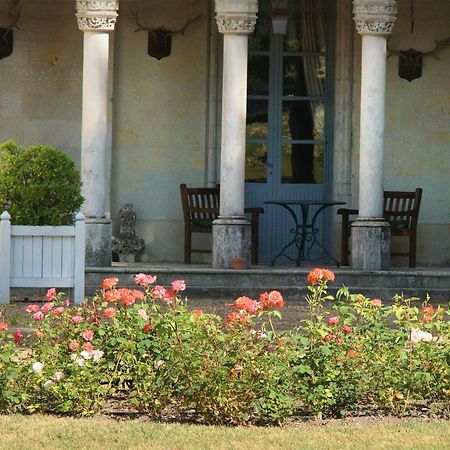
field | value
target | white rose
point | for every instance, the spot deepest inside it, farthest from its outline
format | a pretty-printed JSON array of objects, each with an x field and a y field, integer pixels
[
  {"x": 57, "y": 376},
  {"x": 49, "y": 384},
  {"x": 80, "y": 361},
  {"x": 97, "y": 355},
  {"x": 86, "y": 355},
  {"x": 159, "y": 364},
  {"x": 418, "y": 335},
  {"x": 37, "y": 367}
]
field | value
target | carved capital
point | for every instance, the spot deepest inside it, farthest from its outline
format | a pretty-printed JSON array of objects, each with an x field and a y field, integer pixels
[
  {"x": 97, "y": 15},
  {"x": 236, "y": 16},
  {"x": 376, "y": 17}
]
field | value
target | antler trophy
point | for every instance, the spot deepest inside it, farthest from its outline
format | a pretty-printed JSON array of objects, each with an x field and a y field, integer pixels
[
  {"x": 160, "y": 39},
  {"x": 410, "y": 61},
  {"x": 6, "y": 33}
]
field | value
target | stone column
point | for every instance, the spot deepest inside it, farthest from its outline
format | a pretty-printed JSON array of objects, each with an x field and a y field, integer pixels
[
  {"x": 95, "y": 18},
  {"x": 236, "y": 19},
  {"x": 370, "y": 233}
]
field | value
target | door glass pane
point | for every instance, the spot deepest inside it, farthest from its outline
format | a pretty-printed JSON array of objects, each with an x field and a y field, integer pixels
[
  {"x": 257, "y": 125},
  {"x": 303, "y": 120},
  {"x": 304, "y": 76},
  {"x": 302, "y": 163},
  {"x": 258, "y": 75},
  {"x": 256, "y": 162},
  {"x": 306, "y": 26}
]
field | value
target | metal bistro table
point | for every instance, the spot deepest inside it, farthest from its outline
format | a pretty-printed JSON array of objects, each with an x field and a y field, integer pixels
[{"x": 304, "y": 231}]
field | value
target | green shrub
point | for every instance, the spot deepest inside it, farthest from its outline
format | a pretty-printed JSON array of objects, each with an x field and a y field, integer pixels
[{"x": 39, "y": 185}]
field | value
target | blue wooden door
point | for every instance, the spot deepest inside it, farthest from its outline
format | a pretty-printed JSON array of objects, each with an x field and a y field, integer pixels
[{"x": 287, "y": 153}]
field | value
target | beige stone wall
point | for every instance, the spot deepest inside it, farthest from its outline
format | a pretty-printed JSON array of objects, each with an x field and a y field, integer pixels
[
  {"x": 160, "y": 112},
  {"x": 417, "y": 150},
  {"x": 40, "y": 83},
  {"x": 159, "y": 108},
  {"x": 163, "y": 131}
]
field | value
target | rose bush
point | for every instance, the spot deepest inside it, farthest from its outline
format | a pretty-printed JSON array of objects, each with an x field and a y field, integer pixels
[{"x": 145, "y": 349}]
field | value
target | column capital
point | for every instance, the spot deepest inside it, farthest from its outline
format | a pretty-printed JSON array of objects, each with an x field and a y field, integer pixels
[
  {"x": 375, "y": 17},
  {"x": 236, "y": 16},
  {"x": 97, "y": 15}
]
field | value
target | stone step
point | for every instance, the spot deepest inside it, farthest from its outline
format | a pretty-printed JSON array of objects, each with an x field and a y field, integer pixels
[{"x": 205, "y": 282}]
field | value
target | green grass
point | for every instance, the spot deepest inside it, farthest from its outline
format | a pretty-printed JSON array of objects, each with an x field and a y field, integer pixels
[{"x": 43, "y": 432}]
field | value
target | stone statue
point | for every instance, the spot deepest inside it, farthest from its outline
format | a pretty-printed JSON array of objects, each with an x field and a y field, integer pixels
[{"x": 127, "y": 244}]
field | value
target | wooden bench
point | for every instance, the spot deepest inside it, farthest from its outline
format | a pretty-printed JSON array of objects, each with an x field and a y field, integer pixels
[
  {"x": 401, "y": 210},
  {"x": 200, "y": 208}
]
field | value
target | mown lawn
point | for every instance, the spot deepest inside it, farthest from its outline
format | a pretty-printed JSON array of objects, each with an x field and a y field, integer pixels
[{"x": 44, "y": 432}]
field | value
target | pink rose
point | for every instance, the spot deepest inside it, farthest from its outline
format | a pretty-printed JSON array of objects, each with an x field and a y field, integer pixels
[
  {"x": 178, "y": 285},
  {"x": 333, "y": 320},
  {"x": 73, "y": 346},
  {"x": 32, "y": 308},
  {"x": 18, "y": 336},
  {"x": 50, "y": 295},
  {"x": 346, "y": 329},
  {"x": 47, "y": 307},
  {"x": 58, "y": 311},
  {"x": 38, "y": 315},
  {"x": 88, "y": 346},
  {"x": 88, "y": 335},
  {"x": 77, "y": 319},
  {"x": 144, "y": 280},
  {"x": 376, "y": 302}
]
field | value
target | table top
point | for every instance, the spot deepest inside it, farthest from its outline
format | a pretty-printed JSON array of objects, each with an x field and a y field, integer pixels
[{"x": 304, "y": 202}]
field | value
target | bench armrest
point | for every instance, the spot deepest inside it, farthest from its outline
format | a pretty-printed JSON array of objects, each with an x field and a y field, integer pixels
[{"x": 347, "y": 211}]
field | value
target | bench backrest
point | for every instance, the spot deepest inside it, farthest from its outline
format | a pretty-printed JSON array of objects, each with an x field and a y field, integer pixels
[
  {"x": 200, "y": 204},
  {"x": 401, "y": 209}
]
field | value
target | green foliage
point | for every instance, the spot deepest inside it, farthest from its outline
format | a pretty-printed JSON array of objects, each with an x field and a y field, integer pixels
[
  {"x": 39, "y": 185},
  {"x": 146, "y": 350}
]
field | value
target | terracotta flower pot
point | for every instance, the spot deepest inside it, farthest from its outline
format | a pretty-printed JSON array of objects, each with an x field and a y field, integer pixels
[{"x": 239, "y": 263}]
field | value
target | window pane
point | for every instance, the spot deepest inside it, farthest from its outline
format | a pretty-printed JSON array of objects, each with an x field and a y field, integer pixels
[
  {"x": 257, "y": 125},
  {"x": 258, "y": 75},
  {"x": 302, "y": 163},
  {"x": 304, "y": 76},
  {"x": 260, "y": 39},
  {"x": 256, "y": 163},
  {"x": 303, "y": 120}
]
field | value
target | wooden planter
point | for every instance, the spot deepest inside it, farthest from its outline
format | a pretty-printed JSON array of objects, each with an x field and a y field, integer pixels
[{"x": 42, "y": 257}]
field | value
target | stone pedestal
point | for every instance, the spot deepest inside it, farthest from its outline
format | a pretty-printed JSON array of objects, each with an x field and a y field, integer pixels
[
  {"x": 98, "y": 242},
  {"x": 370, "y": 244},
  {"x": 233, "y": 236}
]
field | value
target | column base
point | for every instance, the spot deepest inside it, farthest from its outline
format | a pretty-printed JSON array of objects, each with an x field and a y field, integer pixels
[
  {"x": 232, "y": 237},
  {"x": 370, "y": 244},
  {"x": 98, "y": 242}
]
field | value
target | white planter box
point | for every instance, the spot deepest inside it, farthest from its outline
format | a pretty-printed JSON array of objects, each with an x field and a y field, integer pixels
[{"x": 42, "y": 257}]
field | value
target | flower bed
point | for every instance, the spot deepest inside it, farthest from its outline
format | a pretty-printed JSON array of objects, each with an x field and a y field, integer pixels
[{"x": 147, "y": 350}]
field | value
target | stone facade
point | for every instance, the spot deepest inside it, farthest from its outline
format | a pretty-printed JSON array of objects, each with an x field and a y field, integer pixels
[{"x": 158, "y": 126}]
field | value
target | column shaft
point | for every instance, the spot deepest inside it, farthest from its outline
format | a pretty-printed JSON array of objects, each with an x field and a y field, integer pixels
[
  {"x": 94, "y": 122},
  {"x": 373, "y": 86},
  {"x": 234, "y": 107}
]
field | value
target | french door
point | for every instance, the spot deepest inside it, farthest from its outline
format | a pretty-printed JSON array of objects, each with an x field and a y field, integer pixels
[{"x": 288, "y": 109}]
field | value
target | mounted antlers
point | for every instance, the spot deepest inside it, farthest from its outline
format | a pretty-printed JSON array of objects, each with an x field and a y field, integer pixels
[
  {"x": 181, "y": 31},
  {"x": 6, "y": 43},
  {"x": 439, "y": 45},
  {"x": 410, "y": 61},
  {"x": 160, "y": 39}
]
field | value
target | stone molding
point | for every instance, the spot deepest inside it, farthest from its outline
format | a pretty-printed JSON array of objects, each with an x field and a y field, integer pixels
[
  {"x": 236, "y": 16},
  {"x": 375, "y": 17},
  {"x": 97, "y": 15}
]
